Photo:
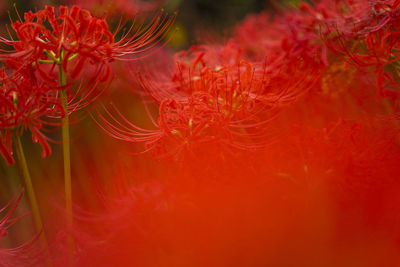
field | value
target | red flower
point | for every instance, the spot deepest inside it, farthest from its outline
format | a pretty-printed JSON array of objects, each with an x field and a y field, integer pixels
[
  {"x": 372, "y": 43},
  {"x": 73, "y": 38},
  {"x": 289, "y": 35},
  {"x": 224, "y": 104},
  {"x": 25, "y": 103}
]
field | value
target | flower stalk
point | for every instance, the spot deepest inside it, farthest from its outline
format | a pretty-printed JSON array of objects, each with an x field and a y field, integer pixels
[
  {"x": 66, "y": 143},
  {"x": 32, "y": 198},
  {"x": 66, "y": 155}
]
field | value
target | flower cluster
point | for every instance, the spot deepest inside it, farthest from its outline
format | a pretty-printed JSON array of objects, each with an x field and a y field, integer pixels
[
  {"x": 26, "y": 102},
  {"x": 371, "y": 43},
  {"x": 214, "y": 96},
  {"x": 76, "y": 38},
  {"x": 52, "y": 49}
]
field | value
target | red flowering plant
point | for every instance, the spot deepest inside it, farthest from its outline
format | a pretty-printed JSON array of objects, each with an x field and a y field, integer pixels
[
  {"x": 71, "y": 40},
  {"x": 297, "y": 34},
  {"x": 74, "y": 38},
  {"x": 371, "y": 43},
  {"x": 212, "y": 99},
  {"x": 25, "y": 103},
  {"x": 66, "y": 42},
  {"x": 293, "y": 34}
]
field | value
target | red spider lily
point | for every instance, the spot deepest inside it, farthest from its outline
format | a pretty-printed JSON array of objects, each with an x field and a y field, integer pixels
[
  {"x": 226, "y": 104},
  {"x": 291, "y": 35},
  {"x": 182, "y": 126},
  {"x": 365, "y": 32},
  {"x": 25, "y": 102},
  {"x": 74, "y": 37},
  {"x": 297, "y": 34},
  {"x": 372, "y": 44},
  {"x": 24, "y": 255}
]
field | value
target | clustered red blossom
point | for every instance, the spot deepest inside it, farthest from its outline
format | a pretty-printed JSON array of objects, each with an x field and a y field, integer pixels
[
  {"x": 214, "y": 95},
  {"x": 76, "y": 38},
  {"x": 51, "y": 41},
  {"x": 25, "y": 103},
  {"x": 371, "y": 44}
]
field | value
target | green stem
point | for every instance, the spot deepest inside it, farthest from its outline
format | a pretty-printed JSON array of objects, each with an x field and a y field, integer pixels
[
  {"x": 32, "y": 197},
  {"x": 67, "y": 157},
  {"x": 66, "y": 145}
]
